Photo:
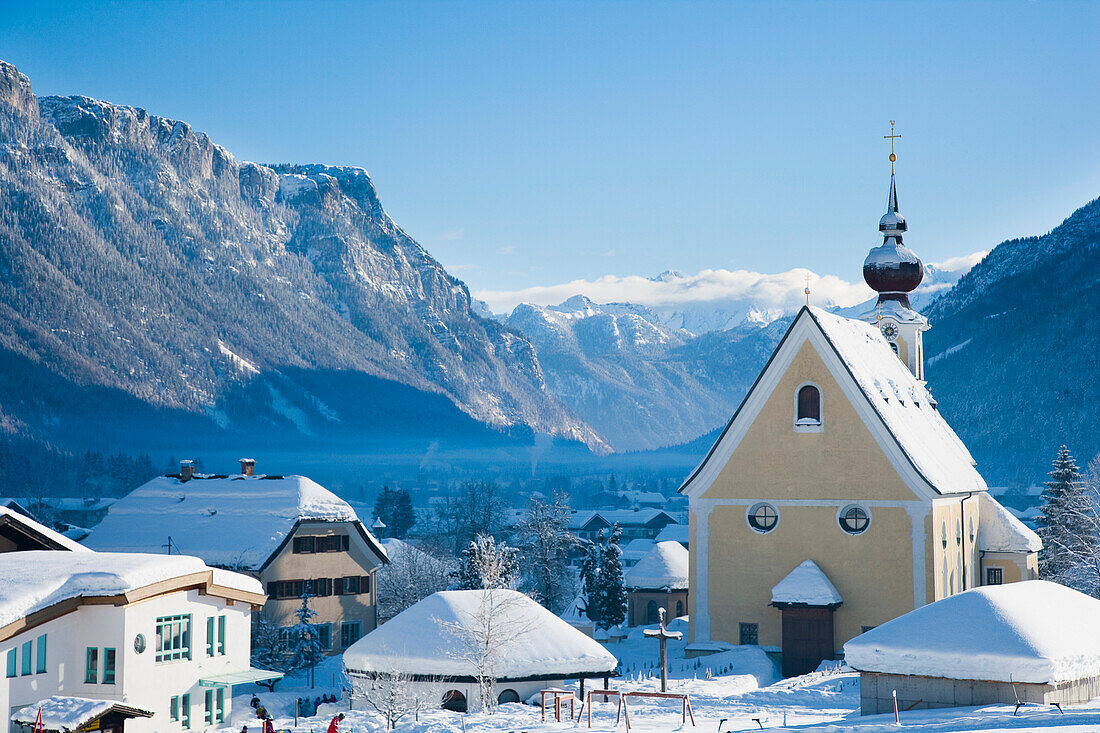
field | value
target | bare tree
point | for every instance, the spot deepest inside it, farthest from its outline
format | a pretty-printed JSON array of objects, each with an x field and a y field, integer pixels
[
  {"x": 395, "y": 695},
  {"x": 411, "y": 576},
  {"x": 546, "y": 542},
  {"x": 488, "y": 634}
]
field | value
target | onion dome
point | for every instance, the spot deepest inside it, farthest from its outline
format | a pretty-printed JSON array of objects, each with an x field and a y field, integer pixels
[{"x": 893, "y": 270}]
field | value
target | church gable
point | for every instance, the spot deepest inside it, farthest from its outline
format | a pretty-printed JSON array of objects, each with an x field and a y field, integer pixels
[
  {"x": 781, "y": 448},
  {"x": 849, "y": 450}
]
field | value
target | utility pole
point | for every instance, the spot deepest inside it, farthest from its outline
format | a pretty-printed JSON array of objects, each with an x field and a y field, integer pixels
[{"x": 663, "y": 635}]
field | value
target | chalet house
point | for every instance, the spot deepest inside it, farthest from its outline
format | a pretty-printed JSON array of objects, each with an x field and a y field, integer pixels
[
  {"x": 635, "y": 524},
  {"x": 96, "y": 639},
  {"x": 290, "y": 533}
]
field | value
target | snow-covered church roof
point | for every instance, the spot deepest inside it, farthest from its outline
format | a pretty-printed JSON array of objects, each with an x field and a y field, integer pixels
[
  {"x": 1033, "y": 631},
  {"x": 426, "y": 639},
  {"x": 1000, "y": 531},
  {"x": 233, "y": 521},
  {"x": 35, "y": 580},
  {"x": 902, "y": 402},
  {"x": 806, "y": 585},
  {"x": 666, "y": 566}
]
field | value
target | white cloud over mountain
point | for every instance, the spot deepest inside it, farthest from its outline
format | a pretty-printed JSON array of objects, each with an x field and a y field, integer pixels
[{"x": 770, "y": 293}]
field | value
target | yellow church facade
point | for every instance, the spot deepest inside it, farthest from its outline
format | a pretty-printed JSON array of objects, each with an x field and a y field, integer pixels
[{"x": 837, "y": 498}]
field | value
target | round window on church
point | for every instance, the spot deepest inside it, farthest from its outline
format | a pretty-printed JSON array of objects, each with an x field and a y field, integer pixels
[
  {"x": 854, "y": 519},
  {"x": 763, "y": 517}
]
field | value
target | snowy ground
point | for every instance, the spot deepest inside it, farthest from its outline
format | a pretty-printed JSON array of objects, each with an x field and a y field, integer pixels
[{"x": 744, "y": 689}]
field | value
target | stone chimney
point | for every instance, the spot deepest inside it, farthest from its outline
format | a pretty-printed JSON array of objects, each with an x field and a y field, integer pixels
[
  {"x": 248, "y": 466},
  {"x": 187, "y": 470}
]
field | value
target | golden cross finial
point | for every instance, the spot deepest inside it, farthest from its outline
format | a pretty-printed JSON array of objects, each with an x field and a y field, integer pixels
[
  {"x": 891, "y": 137},
  {"x": 807, "y": 291}
]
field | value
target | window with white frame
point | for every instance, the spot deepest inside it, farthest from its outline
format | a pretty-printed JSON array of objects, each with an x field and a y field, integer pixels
[{"x": 807, "y": 409}]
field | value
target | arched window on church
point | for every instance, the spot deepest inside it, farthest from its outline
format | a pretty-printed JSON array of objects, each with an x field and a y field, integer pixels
[
  {"x": 679, "y": 609},
  {"x": 652, "y": 615},
  {"x": 809, "y": 406}
]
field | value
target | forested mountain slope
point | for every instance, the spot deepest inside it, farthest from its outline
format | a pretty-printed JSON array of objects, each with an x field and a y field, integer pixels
[{"x": 1014, "y": 351}]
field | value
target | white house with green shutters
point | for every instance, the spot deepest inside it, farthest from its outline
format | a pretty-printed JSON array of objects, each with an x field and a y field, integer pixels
[{"x": 162, "y": 638}]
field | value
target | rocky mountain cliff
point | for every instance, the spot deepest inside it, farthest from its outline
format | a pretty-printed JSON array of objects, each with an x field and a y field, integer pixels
[{"x": 150, "y": 281}]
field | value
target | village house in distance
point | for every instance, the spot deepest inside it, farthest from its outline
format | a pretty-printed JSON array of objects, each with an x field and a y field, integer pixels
[
  {"x": 292, "y": 534},
  {"x": 839, "y": 455}
]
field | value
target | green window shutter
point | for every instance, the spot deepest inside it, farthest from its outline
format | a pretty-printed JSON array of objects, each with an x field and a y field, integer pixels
[
  {"x": 221, "y": 704},
  {"x": 174, "y": 708},
  {"x": 91, "y": 666},
  {"x": 108, "y": 666},
  {"x": 13, "y": 663},
  {"x": 208, "y": 707},
  {"x": 41, "y": 666},
  {"x": 28, "y": 657},
  {"x": 221, "y": 635},
  {"x": 185, "y": 703},
  {"x": 210, "y": 636}
]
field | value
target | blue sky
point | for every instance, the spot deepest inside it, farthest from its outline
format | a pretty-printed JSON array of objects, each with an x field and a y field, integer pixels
[{"x": 527, "y": 144}]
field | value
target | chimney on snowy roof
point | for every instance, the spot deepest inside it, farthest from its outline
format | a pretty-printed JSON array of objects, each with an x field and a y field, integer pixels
[
  {"x": 187, "y": 470},
  {"x": 248, "y": 466}
]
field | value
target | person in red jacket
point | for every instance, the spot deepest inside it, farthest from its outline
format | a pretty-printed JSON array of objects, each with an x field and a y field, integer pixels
[{"x": 334, "y": 726}]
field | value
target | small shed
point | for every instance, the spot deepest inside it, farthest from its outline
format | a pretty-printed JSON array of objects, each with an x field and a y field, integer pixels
[
  {"x": 659, "y": 580},
  {"x": 429, "y": 643},
  {"x": 806, "y": 598},
  {"x": 60, "y": 714},
  {"x": 1033, "y": 641}
]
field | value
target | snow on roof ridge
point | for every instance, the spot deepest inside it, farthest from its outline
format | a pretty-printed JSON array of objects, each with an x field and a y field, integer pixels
[
  {"x": 665, "y": 566},
  {"x": 1032, "y": 631},
  {"x": 34, "y": 580},
  {"x": 233, "y": 521},
  {"x": 806, "y": 585},
  {"x": 66, "y": 542},
  {"x": 930, "y": 444},
  {"x": 1000, "y": 531},
  {"x": 419, "y": 640}
]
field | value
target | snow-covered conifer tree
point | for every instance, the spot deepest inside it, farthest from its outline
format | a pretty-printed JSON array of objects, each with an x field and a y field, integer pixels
[
  {"x": 611, "y": 598},
  {"x": 546, "y": 542},
  {"x": 485, "y": 564},
  {"x": 590, "y": 572},
  {"x": 1066, "y": 522},
  {"x": 307, "y": 642}
]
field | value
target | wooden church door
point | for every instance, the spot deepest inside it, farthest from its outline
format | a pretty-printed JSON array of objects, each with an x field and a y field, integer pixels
[{"x": 807, "y": 638}]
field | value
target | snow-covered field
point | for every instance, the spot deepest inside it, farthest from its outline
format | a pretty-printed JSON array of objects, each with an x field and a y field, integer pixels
[{"x": 744, "y": 691}]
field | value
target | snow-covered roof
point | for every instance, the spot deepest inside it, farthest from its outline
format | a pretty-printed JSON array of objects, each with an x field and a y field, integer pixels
[
  {"x": 425, "y": 638},
  {"x": 902, "y": 402},
  {"x": 637, "y": 548},
  {"x": 622, "y": 517},
  {"x": 400, "y": 549},
  {"x": 26, "y": 523},
  {"x": 35, "y": 580},
  {"x": 1033, "y": 631},
  {"x": 806, "y": 585},
  {"x": 675, "y": 532},
  {"x": 67, "y": 714},
  {"x": 666, "y": 566},
  {"x": 235, "y": 521},
  {"x": 1000, "y": 531},
  {"x": 574, "y": 614}
]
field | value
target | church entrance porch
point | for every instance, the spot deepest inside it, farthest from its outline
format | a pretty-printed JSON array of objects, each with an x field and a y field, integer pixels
[
  {"x": 806, "y": 598},
  {"x": 807, "y": 638}
]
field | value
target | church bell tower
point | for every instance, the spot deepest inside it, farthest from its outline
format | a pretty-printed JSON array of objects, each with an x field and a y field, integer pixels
[{"x": 893, "y": 271}]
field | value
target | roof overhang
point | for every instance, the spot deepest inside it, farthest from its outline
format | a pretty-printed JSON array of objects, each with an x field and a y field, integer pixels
[{"x": 240, "y": 677}]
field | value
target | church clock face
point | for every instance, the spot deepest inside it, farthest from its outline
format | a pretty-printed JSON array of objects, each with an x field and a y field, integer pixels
[{"x": 890, "y": 331}]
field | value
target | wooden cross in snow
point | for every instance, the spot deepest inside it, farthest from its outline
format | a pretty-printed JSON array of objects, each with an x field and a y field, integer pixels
[{"x": 663, "y": 635}]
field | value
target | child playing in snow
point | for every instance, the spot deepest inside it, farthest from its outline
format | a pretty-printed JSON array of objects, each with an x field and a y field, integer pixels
[{"x": 334, "y": 726}]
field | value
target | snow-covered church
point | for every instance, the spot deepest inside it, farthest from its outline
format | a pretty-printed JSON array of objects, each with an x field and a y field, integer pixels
[{"x": 839, "y": 456}]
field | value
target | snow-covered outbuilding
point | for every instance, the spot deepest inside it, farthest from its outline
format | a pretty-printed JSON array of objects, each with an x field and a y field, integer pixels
[
  {"x": 164, "y": 636},
  {"x": 289, "y": 532},
  {"x": 1033, "y": 641},
  {"x": 61, "y": 714},
  {"x": 19, "y": 532},
  {"x": 659, "y": 580},
  {"x": 430, "y": 642}
]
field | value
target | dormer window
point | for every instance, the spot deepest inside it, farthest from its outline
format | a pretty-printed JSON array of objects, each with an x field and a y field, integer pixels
[{"x": 808, "y": 409}]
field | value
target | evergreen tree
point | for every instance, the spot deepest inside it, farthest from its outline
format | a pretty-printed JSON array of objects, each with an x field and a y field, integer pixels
[
  {"x": 402, "y": 517},
  {"x": 269, "y": 647},
  {"x": 590, "y": 571},
  {"x": 307, "y": 642},
  {"x": 383, "y": 506},
  {"x": 611, "y": 596},
  {"x": 1069, "y": 527},
  {"x": 485, "y": 564}
]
